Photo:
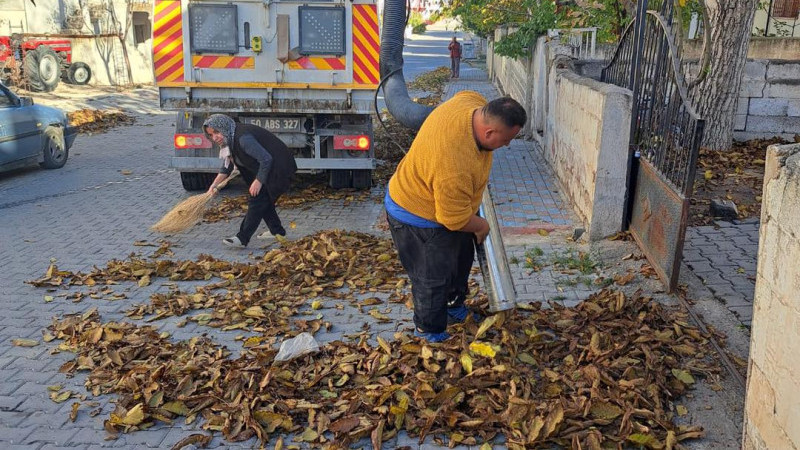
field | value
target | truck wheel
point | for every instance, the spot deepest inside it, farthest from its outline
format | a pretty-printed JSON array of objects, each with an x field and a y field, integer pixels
[
  {"x": 42, "y": 68},
  {"x": 197, "y": 181},
  {"x": 79, "y": 73},
  {"x": 55, "y": 151},
  {"x": 339, "y": 178},
  {"x": 362, "y": 179}
]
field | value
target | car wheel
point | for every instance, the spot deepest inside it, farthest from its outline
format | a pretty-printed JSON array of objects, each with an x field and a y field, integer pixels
[
  {"x": 55, "y": 151},
  {"x": 79, "y": 73},
  {"x": 197, "y": 181},
  {"x": 42, "y": 69}
]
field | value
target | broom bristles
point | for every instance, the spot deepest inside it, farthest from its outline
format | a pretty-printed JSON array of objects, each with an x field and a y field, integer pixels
[{"x": 184, "y": 215}]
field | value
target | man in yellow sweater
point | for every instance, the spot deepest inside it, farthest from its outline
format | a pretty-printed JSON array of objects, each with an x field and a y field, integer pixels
[{"x": 433, "y": 199}]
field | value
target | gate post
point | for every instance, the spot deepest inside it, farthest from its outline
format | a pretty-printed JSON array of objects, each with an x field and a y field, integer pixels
[{"x": 634, "y": 85}]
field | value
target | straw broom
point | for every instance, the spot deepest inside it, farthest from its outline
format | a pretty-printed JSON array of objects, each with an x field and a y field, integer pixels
[{"x": 188, "y": 212}]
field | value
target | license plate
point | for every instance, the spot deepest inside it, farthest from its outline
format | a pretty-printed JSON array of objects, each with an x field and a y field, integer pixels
[{"x": 276, "y": 124}]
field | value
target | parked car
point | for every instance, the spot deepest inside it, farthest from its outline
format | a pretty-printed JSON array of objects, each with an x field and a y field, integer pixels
[{"x": 31, "y": 134}]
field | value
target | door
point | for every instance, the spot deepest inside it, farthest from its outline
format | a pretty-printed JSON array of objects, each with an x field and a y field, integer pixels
[{"x": 19, "y": 132}]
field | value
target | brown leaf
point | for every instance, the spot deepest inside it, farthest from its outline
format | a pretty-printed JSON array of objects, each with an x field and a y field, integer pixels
[
  {"x": 344, "y": 425},
  {"x": 197, "y": 439}
]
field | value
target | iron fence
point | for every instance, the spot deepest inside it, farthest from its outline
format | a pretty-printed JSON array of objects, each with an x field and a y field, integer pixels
[{"x": 665, "y": 129}]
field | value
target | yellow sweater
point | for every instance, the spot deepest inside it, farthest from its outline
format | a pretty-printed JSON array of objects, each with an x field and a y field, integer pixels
[{"x": 443, "y": 176}]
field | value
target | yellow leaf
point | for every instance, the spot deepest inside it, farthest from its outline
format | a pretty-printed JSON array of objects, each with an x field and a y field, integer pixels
[
  {"x": 647, "y": 440},
  {"x": 682, "y": 3},
  {"x": 466, "y": 362},
  {"x": 292, "y": 225},
  {"x": 482, "y": 349},
  {"x": 316, "y": 304},
  {"x": 144, "y": 281},
  {"x": 60, "y": 397},
  {"x": 682, "y": 411},
  {"x": 384, "y": 257},
  {"x": 683, "y": 375},
  {"x": 135, "y": 415},
  {"x": 384, "y": 345},
  {"x": 254, "y": 311},
  {"x": 543, "y": 232},
  {"x": 709, "y": 174},
  {"x": 426, "y": 352},
  {"x": 25, "y": 342},
  {"x": 485, "y": 325},
  {"x": 48, "y": 298}
]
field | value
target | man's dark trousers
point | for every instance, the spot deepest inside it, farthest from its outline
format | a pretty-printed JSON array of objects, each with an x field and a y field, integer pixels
[
  {"x": 262, "y": 206},
  {"x": 438, "y": 262}
]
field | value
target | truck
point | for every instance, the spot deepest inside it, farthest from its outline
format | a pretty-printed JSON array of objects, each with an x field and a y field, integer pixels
[
  {"x": 40, "y": 62},
  {"x": 305, "y": 70}
]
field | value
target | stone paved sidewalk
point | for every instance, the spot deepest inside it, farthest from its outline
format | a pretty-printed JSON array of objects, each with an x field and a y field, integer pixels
[{"x": 724, "y": 256}]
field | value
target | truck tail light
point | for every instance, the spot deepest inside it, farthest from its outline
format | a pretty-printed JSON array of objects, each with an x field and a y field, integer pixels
[
  {"x": 351, "y": 142},
  {"x": 192, "y": 141}
]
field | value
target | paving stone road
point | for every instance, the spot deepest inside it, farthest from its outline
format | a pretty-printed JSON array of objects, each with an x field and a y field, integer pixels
[
  {"x": 89, "y": 212},
  {"x": 724, "y": 256}
]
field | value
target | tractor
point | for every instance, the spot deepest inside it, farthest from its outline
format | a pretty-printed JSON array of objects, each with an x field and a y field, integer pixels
[{"x": 40, "y": 62}]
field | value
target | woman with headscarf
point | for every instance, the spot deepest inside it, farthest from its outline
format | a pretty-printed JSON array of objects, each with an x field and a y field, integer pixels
[{"x": 264, "y": 162}]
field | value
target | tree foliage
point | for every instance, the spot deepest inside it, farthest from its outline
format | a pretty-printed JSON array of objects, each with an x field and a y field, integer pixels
[{"x": 529, "y": 19}]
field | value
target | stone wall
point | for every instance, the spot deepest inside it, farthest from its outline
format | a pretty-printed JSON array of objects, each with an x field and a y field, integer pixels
[
  {"x": 769, "y": 102},
  {"x": 759, "y": 48},
  {"x": 586, "y": 141},
  {"x": 772, "y": 406},
  {"x": 582, "y": 125}
]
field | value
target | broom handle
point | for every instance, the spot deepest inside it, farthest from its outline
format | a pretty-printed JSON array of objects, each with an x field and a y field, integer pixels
[{"x": 225, "y": 182}]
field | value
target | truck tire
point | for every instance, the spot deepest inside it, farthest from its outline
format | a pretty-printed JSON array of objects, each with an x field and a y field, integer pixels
[
  {"x": 54, "y": 151},
  {"x": 42, "y": 68},
  {"x": 362, "y": 178},
  {"x": 197, "y": 181},
  {"x": 79, "y": 73},
  {"x": 339, "y": 178}
]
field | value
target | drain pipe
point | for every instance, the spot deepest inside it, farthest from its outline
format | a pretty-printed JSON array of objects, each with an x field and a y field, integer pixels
[{"x": 395, "y": 92}]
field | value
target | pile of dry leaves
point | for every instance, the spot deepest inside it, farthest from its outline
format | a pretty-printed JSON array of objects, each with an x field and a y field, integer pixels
[
  {"x": 98, "y": 121},
  {"x": 735, "y": 174},
  {"x": 607, "y": 373}
]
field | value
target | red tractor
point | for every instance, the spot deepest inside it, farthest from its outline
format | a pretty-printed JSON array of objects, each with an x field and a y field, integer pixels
[{"x": 40, "y": 62}]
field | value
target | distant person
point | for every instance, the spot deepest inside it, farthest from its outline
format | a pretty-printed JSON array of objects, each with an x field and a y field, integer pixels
[
  {"x": 433, "y": 198},
  {"x": 265, "y": 163},
  {"x": 455, "y": 57}
]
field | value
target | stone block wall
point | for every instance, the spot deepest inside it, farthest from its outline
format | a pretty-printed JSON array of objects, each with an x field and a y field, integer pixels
[
  {"x": 772, "y": 406},
  {"x": 769, "y": 102},
  {"x": 587, "y": 147}
]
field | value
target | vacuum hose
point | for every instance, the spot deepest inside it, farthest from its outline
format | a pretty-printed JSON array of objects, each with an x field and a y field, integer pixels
[{"x": 398, "y": 102}]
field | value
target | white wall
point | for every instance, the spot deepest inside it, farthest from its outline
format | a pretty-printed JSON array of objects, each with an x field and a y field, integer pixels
[
  {"x": 586, "y": 142},
  {"x": 583, "y": 126},
  {"x": 103, "y": 55}
]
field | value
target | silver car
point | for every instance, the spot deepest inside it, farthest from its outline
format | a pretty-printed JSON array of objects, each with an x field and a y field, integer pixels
[{"x": 31, "y": 134}]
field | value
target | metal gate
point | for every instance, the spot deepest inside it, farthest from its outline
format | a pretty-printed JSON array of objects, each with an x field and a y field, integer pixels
[{"x": 665, "y": 137}]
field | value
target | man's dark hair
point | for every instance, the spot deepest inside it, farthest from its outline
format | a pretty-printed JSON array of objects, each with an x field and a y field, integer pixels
[{"x": 507, "y": 110}]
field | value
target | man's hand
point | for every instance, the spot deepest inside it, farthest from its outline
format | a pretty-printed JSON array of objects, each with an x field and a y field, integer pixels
[
  {"x": 480, "y": 234},
  {"x": 255, "y": 188},
  {"x": 478, "y": 226}
]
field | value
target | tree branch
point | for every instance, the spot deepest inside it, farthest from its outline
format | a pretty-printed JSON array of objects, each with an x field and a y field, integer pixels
[{"x": 705, "y": 59}]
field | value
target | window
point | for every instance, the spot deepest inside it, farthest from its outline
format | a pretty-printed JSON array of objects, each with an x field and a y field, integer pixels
[
  {"x": 141, "y": 27},
  {"x": 786, "y": 8},
  {"x": 5, "y": 101}
]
